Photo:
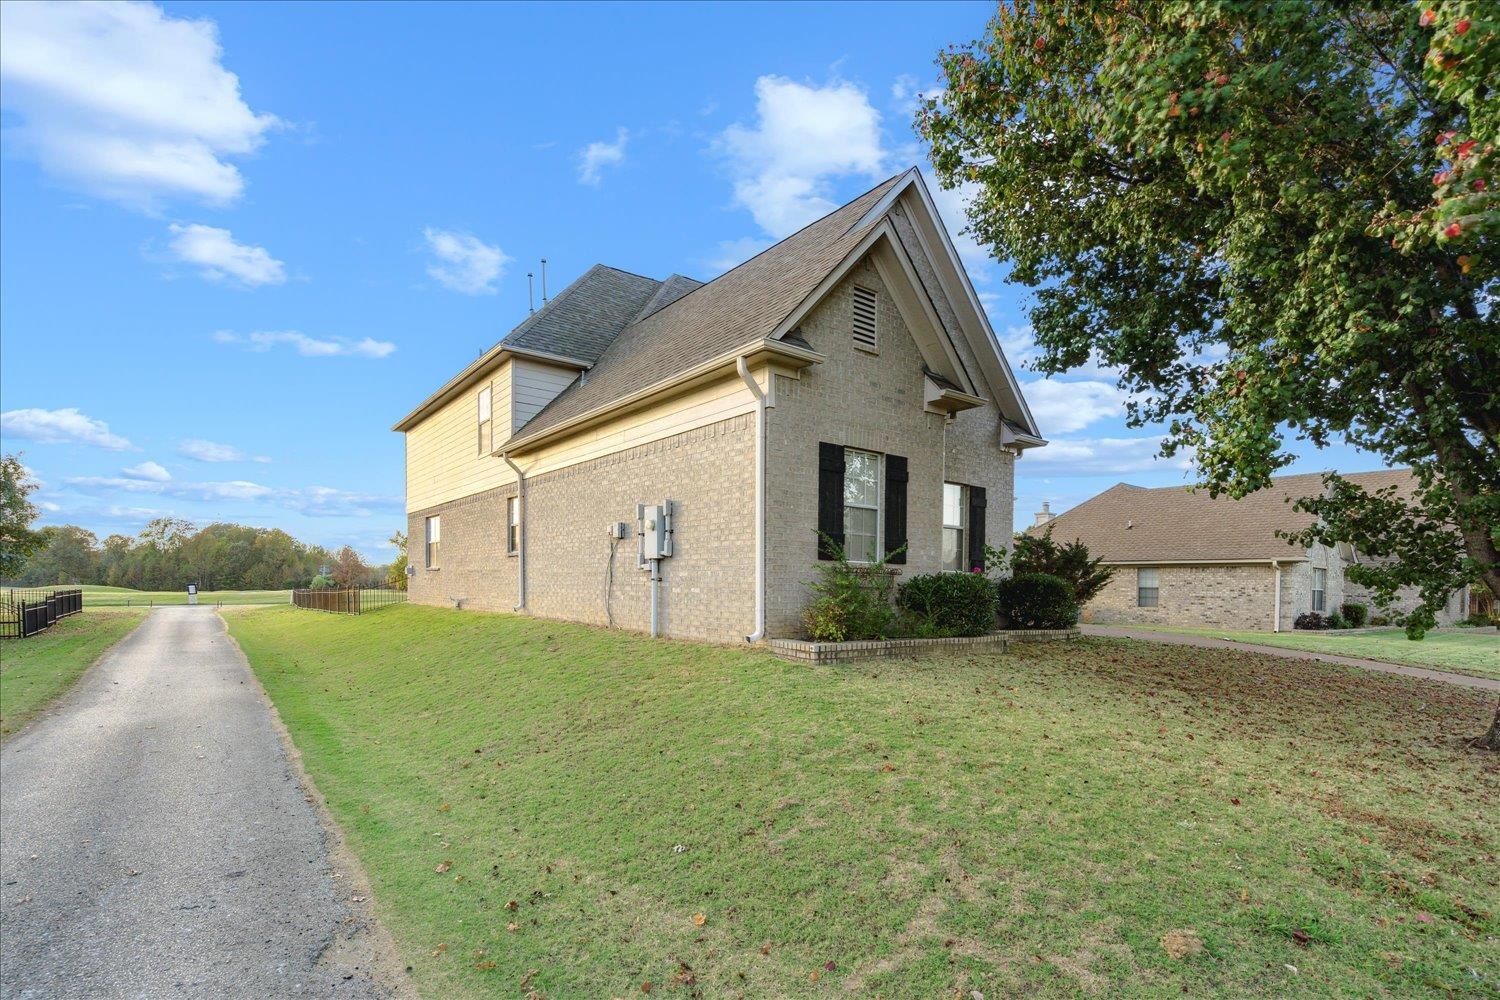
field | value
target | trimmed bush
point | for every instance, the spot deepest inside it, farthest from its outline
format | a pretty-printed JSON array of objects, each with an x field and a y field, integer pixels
[
  {"x": 941, "y": 605},
  {"x": 1310, "y": 621},
  {"x": 1379, "y": 620},
  {"x": 1355, "y": 614},
  {"x": 1037, "y": 600},
  {"x": 1336, "y": 620}
]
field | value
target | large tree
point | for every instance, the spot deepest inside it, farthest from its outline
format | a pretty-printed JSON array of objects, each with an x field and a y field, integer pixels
[
  {"x": 17, "y": 514},
  {"x": 1277, "y": 220}
]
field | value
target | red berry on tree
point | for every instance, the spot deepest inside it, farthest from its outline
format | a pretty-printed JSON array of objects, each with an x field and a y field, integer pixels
[
  {"x": 1453, "y": 230},
  {"x": 1462, "y": 27}
]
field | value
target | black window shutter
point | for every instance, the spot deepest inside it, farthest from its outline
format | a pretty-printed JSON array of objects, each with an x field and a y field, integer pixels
[
  {"x": 830, "y": 499},
  {"x": 977, "y": 503},
  {"x": 895, "y": 507}
]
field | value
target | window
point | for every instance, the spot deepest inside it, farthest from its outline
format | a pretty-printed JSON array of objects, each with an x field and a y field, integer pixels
[
  {"x": 486, "y": 445},
  {"x": 955, "y": 519},
  {"x": 513, "y": 524},
  {"x": 1147, "y": 587},
  {"x": 1320, "y": 589},
  {"x": 864, "y": 318},
  {"x": 434, "y": 535},
  {"x": 861, "y": 505}
]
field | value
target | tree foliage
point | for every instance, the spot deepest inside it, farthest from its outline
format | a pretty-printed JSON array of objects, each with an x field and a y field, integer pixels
[
  {"x": 17, "y": 514},
  {"x": 1070, "y": 562},
  {"x": 1277, "y": 221}
]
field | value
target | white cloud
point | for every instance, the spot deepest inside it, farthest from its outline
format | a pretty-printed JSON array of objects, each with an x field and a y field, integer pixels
[
  {"x": 1063, "y": 407},
  {"x": 218, "y": 256},
  {"x": 804, "y": 137},
  {"x": 465, "y": 263},
  {"x": 315, "y": 501},
  {"x": 213, "y": 451},
  {"x": 125, "y": 101},
  {"x": 1103, "y": 457},
  {"x": 309, "y": 347},
  {"x": 148, "y": 470},
  {"x": 598, "y": 155},
  {"x": 65, "y": 426}
]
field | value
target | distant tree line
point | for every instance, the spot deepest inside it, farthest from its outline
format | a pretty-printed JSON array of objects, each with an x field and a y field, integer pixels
[{"x": 171, "y": 553}]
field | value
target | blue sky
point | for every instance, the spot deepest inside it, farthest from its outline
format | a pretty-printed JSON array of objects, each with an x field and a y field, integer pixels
[{"x": 240, "y": 241}]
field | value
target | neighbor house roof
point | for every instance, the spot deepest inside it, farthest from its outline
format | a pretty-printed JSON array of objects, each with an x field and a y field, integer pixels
[
  {"x": 739, "y": 308},
  {"x": 1131, "y": 524}
]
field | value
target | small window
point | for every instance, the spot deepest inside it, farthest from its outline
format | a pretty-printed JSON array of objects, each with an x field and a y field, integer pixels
[
  {"x": 861, "y": 505},
  {"x": 434, "y": 536},
  {"x": 864, "y": 318},
  {"x": 1320, "y": 589},
  {"x": 513, "y": 524},
  {"x": 1147, "y": 587},
  {"x": 955, "y": 520},
  {"x": 486, "y": 444}
]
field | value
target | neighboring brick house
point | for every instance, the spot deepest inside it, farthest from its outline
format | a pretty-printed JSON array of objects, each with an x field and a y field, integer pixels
[
  {"x": 1182, "y": 557},
  {"x": 844, "y": 380}
]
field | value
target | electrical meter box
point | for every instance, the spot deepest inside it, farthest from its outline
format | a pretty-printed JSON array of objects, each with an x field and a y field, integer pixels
[{"x": 653, "y": 531}]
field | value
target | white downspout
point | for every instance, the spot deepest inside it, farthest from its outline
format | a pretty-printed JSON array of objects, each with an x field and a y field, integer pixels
[
  {"x": 520, "y": 532},
  {"x": 1276, "y": 611},
  {"x": 760, "y": 499}
]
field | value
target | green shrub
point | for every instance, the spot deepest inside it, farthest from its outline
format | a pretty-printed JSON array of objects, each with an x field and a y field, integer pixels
[
  {"x": 1336, "y": 620},
  {"x": 852, "y": 602},
  {"x": 948, "y": 604},
  {"x": 1379, "y": 620},
  {"x": 1355, "y": 614},
  {"x": 1037, "y": 600},
  {"x": 1040, "y": 554}
]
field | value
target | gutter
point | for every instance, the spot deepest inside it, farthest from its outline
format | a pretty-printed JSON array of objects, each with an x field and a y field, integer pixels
[
  {"x": 760, "y": 498},
  {"x": 1276, "y": 611},
  {"x": 520, "y": 532}
]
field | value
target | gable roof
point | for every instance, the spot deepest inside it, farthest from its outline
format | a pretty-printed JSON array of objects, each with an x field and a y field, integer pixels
[
  {"x": 581, "y": 320},
  {"x": 1132, "y": 524},
  {"x": 742, "y": 306}
]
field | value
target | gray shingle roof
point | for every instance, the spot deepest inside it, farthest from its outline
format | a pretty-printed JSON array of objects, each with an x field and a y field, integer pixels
[
  {"x": 668, "y": 292},
  {"x": 737, "y": 309},
  {"x": 581, "y": 320},
  {"x": 1175, "y": 524}
]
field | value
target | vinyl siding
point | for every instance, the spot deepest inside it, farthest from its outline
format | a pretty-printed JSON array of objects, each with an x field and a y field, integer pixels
[{"x": 535, "y": 384}]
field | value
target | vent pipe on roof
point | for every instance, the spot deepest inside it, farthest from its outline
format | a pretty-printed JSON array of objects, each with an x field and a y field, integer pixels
[
  {"x": 544, "y": 281},
  {"x": 530, "y": 296}
]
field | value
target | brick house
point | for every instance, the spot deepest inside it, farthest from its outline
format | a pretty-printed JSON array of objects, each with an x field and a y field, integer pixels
[
  {"x": 844, "y": 380},
  {"x": 1182, "y": 557}
]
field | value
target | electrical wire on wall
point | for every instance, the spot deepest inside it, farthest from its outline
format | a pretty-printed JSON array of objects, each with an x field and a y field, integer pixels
[{"x": 609, "y": 580}]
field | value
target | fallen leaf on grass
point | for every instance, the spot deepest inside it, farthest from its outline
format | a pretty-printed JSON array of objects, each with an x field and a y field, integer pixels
[
  {"x": 1180, "y": 944},
  {"x": 445, "y": 807},
  {"x": 813, "y": 976},
  {"x": 484, "y": 966},
  {"x": 531, "y": 974},
  {"x": 1424, "y": 917},
  {"x": 646, "y": 986},
  {"x": 512, "y": 926},
  {"x": 765, "y": 949},
  {"x": 829, "y": 966},
  {"x": 439, "y": 950},
  {"x": 699, "y": 920},
  {"x": 443, "y": 867}
]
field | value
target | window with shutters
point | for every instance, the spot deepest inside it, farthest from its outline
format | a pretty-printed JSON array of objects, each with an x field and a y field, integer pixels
[
  {"x": 955, "y": 520},
  {"x": 513, "y": 525},
  {"x": 486, "y": 445},
  {"x": 861, "y": 506},
  {"x": 1147, "y": 587},
  {"x": 865, "y": 333},
  {"x": 434, "y": 536}
]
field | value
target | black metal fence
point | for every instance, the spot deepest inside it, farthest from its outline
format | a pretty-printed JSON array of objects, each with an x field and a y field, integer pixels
[
  {"x": 24, "y": 613},
  {"x": 348, "y": 601}
]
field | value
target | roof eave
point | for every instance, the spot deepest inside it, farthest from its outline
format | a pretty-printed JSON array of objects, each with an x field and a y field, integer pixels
[
  {"x": 753, "y": 353},
  {"x": 470, "y": 374}
]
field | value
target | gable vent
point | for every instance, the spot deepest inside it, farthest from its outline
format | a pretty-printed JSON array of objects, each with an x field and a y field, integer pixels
[{"x": 864, "y": 317}]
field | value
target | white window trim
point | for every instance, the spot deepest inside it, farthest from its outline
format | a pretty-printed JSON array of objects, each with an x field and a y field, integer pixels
[
  {"x": 879, "y": 505},
  {"x": 512, "y": 520},
  {"x": 1156, "y": 595},
  {"x": 962, "y": 525},
  {"x": 1319, "y": 595},
  {"x": 485, "y": 399},
  {"x": 432, "y": 541}
]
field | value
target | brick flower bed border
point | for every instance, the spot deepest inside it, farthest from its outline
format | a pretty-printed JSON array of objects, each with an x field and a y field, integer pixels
[{"x": 803, "y": 651}]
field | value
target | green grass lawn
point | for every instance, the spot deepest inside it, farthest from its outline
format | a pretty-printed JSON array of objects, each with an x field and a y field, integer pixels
[
  {"x": 562, "y": 809},
  {"x": 1460, "y": 650},
  {"x": 99, "y": 596},
  {"x": 37, "y": 670}
]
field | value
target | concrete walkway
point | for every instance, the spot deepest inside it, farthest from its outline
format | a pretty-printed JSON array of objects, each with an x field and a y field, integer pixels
[
  {"x": 155, "y": 841},
  {"x": 1208, "y": 642}
]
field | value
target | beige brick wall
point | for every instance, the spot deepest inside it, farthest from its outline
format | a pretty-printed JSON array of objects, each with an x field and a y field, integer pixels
[
  {"x": 473, "y": 566},
  {"x": 708, "y": 586},
  {"x": 1240, "y": 597},
  {"x": 873, "y": 402}
]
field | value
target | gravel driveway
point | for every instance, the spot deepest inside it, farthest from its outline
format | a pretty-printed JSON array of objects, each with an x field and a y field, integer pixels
[{"x": 155, "y": 841}]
